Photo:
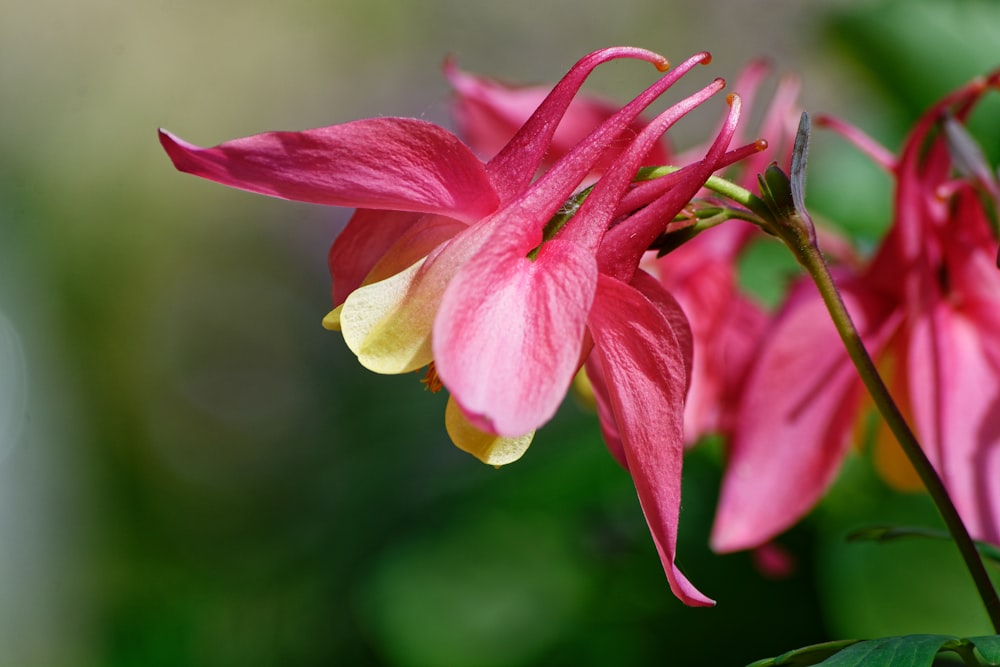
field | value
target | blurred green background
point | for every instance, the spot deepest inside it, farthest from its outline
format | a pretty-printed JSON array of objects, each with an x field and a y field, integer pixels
[{"x": 208, "y": 478}]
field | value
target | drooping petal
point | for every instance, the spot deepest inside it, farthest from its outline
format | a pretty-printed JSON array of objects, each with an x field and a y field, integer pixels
[
  {"x": 798, "y": 407},
  {"x": 400, "y": 164},
  {"x": 726, "y": 326},
  {"x": 955, "y": 392},
  {"x": 605, "y": 410},
  {"x": 671, "y": 311},
  {"x": 509, "y": 332},
  {"x": 491, "y": 449},
  {"x": 645, "y": 371}
]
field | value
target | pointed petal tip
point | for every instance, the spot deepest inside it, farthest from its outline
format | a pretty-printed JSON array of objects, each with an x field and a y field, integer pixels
[
  {"x": 331, "y": 321},
  {"x": 685, "y": 590},
  {"x": 177, "y": 150},
  {"x": 169, "y": 139}
]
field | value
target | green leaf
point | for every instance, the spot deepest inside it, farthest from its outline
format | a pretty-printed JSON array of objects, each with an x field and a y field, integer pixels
[
  {"x": 988, "y": 648},
  {"x": 802, "y": 657},
  {"x": 907, "y": 651}
]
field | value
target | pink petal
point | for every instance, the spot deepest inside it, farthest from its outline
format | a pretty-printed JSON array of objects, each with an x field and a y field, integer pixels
[
  {"x": 624, "y": 245},
  {"x": 509, "y": 332},
  {"x": 794, "y": 421},
  {"x": 386, "y": 163},
  {"x": 605, "y": 410},
  {"x": 726, "y": 325},
  {"x": 645, "y": 370},
  {"x": 359, "y": 246},
  {"x": 671, "y": 311},
  {"x": 955, "y": 393},
  {"x": 513, "y": 168},
  {"x": 541, "y": 201},
  {"x": 490, "y": 113},
  {"x": 377, "y": 244}
]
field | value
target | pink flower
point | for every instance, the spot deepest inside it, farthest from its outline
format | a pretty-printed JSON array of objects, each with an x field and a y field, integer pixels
[
  {"x": 726, "y": 325},
  {"x": 460, "y": 263},
  {"x": 927, "y": 308},
  {"x": 489, "y": 113}
]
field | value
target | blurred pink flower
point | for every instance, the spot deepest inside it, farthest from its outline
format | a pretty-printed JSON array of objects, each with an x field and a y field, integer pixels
[
  {"x": 459, "y": 263},
  {"x": 928, "y": 309}
]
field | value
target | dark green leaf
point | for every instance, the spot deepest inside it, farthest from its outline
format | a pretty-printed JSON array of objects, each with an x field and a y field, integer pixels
[
  {"x": 802, "y": 657},
  {"x": 988, "y": 648},
  {"x": 907, "y": 651}
]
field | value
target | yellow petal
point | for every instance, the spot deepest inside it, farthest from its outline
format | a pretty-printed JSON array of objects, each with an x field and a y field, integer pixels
[
  {"x": 332, "y": 320},
  {"x": 888, "y": 457},
  {"x": 488, "y": 448},
  {"x": 584, "y": 390},
  {"x": 389, "y": 332}
]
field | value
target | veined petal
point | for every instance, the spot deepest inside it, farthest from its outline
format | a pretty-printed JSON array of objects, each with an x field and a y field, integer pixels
[
  {"x": 417, "y": 242},
  {"x": 675, "y": 316},
  {"x": 798, "y": 407},
  {"x": 645, "y": 371},
  {"x": 605, "y": 410},
  {"x": 385, "y": 327},
  {"x": 388, "y": 323},
  {"x": 491, "y": 449},
  {"x": 955, "y": 392},
  {"x": 361, "y": 244},
  {"x": 509, "y": 332},
  {"x": 725, "y": 325},
  {"x": 400, "y": 164}
]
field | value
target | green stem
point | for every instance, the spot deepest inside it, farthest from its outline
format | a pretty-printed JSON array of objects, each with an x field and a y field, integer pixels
[
  {"x": 795, "y": 233},
  {"x": 811, "y": 258}
]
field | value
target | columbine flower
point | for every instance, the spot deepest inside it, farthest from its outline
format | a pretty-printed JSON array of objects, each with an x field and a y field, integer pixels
[
  {"x": 416, "y": 186},
  {"x": 489, "y": 113},
  {"x": 489, "y": 276},
  {"x": 926, "y": 307},
  {"x": 726, "y": 325}
]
